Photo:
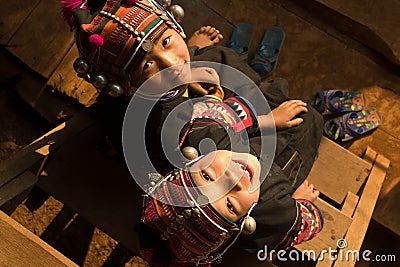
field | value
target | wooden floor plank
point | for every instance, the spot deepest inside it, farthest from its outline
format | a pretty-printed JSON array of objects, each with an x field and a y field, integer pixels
[
  {"x": 338, "y": 171},
  {"x": 43, "y": 38},
  {"x": 14, "y": 13},
  {"x": 20, "y": 247},
  {"x": 194, "y": 19}
]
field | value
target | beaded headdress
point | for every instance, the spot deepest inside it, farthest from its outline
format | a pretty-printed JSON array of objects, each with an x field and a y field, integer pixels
[
  {"x": 112, "y": 36},
  {"x": 196, "y": 232}
]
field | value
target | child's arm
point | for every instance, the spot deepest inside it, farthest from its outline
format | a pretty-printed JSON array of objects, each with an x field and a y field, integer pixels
[
  {"x": 310, "y": 216},
  {"x": 310, "y": 219},
  {"x": 208, "y": 82},
  {"x": 284, "y": 116}
]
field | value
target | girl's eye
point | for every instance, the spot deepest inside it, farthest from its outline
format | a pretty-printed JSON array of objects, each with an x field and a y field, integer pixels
[
  {"x": 146, "y": 65},
  {"x": 166, "y": 41},
  {"x": 205, "y": 176},
  {"x": 229, "y": 205}
]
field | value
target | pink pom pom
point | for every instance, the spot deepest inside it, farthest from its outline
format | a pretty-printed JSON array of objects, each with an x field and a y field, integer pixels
[
  {"x": 131, "y": 2},
  {"x": 67, "y": 7},
  {"x": 96, "y": 40}
]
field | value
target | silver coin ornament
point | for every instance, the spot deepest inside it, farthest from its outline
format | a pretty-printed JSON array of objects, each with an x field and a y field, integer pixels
[
  {"x": 249, "y": 225},
  {"x": 99, "y": 80},
  {"x": 147, "y": 45},
  {"x": 114, "y": 89},
  {"x": 178, "y": 12},
  {"x": 190, "y": 152},
  {"x": 81, "y": 66}
]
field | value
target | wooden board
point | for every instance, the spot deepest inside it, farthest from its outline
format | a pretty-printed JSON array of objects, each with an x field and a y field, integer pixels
[
  {"x": 350, "y": 204},
  {"x": 30, "y": 84},
  {"x": 43, "y": 38},
  {"x": 338, "y": 171},
  {"x": 194, "y": 19},
  {"x": 335, "y": 227},
  {"x": 363, "y": 213},
  {"x": 14, "y": 13},
  {"x": 20, "y": 247},
  {"x": 65, "y": 80},
  {"x": 14, "y": 192}
]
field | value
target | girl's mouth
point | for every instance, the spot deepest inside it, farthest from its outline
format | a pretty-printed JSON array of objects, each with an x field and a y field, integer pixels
[{"x": 248, "y": 171}]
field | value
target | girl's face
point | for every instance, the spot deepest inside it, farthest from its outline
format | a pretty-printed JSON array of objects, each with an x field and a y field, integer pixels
[
  {"x": 234, "y": 177},
  {"x": 169, "y": 50}
]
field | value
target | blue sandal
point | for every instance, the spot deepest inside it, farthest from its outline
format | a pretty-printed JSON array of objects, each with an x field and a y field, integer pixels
[
  {"x": 266, "y": 57},
  {"x": 337, "y": 101},
  {"x": 241, "y": 39},
  {"x": 352, "y": 125}
]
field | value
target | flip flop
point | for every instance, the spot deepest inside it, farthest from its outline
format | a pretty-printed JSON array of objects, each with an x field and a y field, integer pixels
[
  {"x": 241, "y": 39},
  {"x": 337, "y": 101},
  {"x": 266, "y": 57},
  {"x": 352, "y": 125}
]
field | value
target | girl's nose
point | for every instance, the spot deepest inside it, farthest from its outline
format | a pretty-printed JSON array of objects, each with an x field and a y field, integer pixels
[
  {"x": 168, "y": 60},
  {"x": 235, "y": 178}
]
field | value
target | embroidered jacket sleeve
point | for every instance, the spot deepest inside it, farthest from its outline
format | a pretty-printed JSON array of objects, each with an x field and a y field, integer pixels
[{"x": 230, "y": 124}]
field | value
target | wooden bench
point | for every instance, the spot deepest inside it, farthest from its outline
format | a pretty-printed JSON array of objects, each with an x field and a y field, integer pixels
[
  {"x": 354, "y": 183},
  {"x": 349, "y": 189}
]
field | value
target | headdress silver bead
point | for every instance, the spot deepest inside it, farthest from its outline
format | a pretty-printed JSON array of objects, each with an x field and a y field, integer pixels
[
  {"x": 178, "y": 12},
  {"x": 190, "y": 152},
  {"x": 176, "y": 173},
  {"x": 187, "y": 213},
  {"x": 166, "y": 3},
  {"x": 195, "y": 212},
  {"x": 99, "y": 80},
  {"x": 180, "y": 219},
  {"x": 114, "y": 89},
  {"x": 81, "y": 66},
  {"x": 189, "y": 203}
]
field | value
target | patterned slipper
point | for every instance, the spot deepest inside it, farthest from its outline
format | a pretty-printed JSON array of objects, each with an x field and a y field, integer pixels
[
  {"x": 266, "y": 57},
  {"x": 241, "y": 39},
  {"x": 337, "y": 101},
  {"x": 352, "y": 125}
]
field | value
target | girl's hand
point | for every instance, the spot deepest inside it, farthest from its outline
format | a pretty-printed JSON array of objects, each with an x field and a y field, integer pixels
[
  {"x": 284, "y": 115},
  {"x": 208, "y": 80}
]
